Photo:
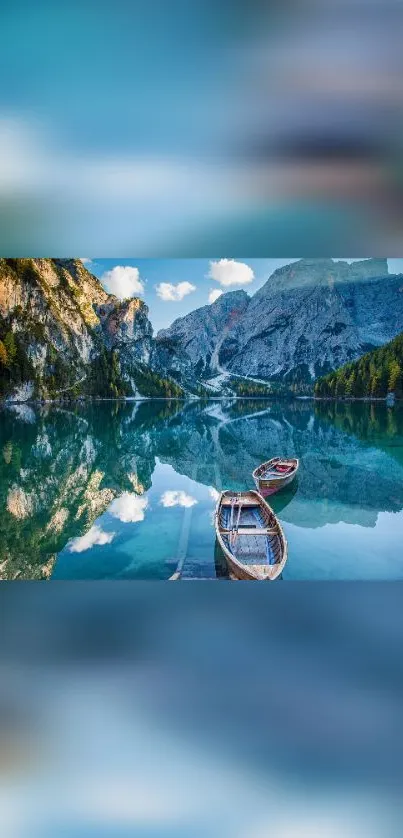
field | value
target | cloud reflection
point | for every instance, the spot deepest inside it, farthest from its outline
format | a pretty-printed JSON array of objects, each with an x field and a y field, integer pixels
[
  {"x": 177, "y": 498},
  {"x": 129, "y": 508},
  {"x": 94, "y": 536}
]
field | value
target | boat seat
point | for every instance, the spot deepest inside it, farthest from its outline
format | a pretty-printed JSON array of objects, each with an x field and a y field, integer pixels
[
  {"x": 249, "y": 531},
  {"x": 257, "y": 531},
  {"x": 249, "y": 502}
]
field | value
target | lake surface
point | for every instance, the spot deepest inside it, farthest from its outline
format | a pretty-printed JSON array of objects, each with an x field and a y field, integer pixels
[{"x": 115, "y": 490}]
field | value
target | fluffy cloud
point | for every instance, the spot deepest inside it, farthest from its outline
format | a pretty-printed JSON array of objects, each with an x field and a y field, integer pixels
[
  {"x": 173, "y": 293},
  {"x": 123, "y": 281},
  {"x": 129, "y": 508},
  {"x": 86, "y": 261},
  {"x": 228, "y": 272},
  {"x": 94, "y": 536},
  {"x": 172, "y": 498},
  {"x": 214, "y": 295}
]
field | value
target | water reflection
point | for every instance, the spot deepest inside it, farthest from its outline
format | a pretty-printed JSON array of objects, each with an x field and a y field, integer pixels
[{"x": 127, "y": 490}]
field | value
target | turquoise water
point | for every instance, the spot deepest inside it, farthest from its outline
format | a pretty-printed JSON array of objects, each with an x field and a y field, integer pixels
[{"x": 127, "y": 490}]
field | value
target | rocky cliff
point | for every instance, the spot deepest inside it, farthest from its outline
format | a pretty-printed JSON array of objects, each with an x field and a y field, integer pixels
[
  {"x": 61, "y": 334},
  {"x": 310, "y": 317},
  {"x": 192, "y": 347}
]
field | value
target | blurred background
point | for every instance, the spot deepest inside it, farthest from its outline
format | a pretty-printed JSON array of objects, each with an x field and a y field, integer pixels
[
  {"x": 200, "y": 709},
  {"x": 229, "y": 128}
]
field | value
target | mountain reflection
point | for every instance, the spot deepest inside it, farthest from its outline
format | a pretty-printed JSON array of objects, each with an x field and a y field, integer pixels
[{"x": 60, "y": 469}]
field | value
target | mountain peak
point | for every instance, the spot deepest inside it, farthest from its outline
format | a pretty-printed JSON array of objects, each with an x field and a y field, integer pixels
[
  {"x": 231, "y": 298},
  {"x": 306, "y": 273},
  {"x": 368, "y": 268}
]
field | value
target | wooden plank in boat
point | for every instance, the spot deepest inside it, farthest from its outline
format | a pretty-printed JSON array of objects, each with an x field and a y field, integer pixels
[
  {"x": 254, "y": 531},
  {"x": 249, "y": 502}
]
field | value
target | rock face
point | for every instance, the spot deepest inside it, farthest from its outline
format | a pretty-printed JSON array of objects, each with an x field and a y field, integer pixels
[
  {"x": 192, "y": 346},
  {"x": 127, "y": 331},
  {"x": 60, "y": 332},
  {"x": 310, "y": 317}
]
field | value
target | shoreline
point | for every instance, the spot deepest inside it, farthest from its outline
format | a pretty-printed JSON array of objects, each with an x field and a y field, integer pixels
[
  {"x": 191, "y": 398},
  {"x": 354, "y": 399},
  {"x": 139, "y": 399}
]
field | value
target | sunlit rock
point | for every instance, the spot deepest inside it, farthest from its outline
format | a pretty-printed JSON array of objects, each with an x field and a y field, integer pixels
[{"x": 20, "y": 504}]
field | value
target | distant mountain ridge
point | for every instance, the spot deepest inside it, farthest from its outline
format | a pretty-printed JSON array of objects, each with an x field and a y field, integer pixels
[
  {"x": 62, "y": 335},
  {"x": 309, "y": 318}
]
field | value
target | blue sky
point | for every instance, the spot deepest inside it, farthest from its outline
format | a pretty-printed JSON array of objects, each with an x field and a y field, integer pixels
[
  {"x": 173, "y": 287},
  {"x": 152, "y": 273}
]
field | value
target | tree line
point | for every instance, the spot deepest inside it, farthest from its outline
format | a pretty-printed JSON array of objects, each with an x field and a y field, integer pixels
[
  {"x": 250, "y": 388},
  {"x": 15, "y": 366},
  {"x": 373, "y": 376},
  {"x": 101, "y": 377}
]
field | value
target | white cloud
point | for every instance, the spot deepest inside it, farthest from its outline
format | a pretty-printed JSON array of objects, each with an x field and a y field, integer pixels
[
  {"x": 129, "y": 508},
  {"x": 94, "y": 536},
  {"x": 123, "y": 281},
  {"x": 86, "y": 261},
  {"x": 214, "y": 295},
  {"x": 172, "y": 498},
  {"x": 173, "y": 293},
  {"x": 228, "y": 272}
]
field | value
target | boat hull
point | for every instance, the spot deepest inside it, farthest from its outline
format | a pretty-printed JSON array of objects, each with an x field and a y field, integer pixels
[
  {"x": 238, "y": 573},
  {"x": 274, "y": 483},
  {"x": 271, "y": 530},
  {"x": 270, "y": 487}
]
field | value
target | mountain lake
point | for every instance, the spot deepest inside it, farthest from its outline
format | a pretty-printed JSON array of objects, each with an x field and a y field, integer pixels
[{"x": 127, "y": 490}]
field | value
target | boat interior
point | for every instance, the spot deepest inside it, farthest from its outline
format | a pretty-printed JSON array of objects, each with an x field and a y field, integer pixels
[
  {"x": 248, "y": 533},
  {"x": 277, "y": 470}
]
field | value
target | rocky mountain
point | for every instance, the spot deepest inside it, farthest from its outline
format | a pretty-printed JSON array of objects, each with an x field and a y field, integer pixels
[
  {"x": 61, "y": 334},
  {"x": 309, "y": 318},
  {"x": 193, "y": 346}
]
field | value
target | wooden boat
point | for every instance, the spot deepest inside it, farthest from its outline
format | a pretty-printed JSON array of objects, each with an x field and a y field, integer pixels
[
  {"x": 273, "y": 475},
  {"x": 250, "y": 536}
]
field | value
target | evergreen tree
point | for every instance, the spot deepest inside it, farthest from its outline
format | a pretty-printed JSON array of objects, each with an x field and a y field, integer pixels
[
  {"x": 375, "y": 384},
  {"x": 373, "y": 375},
  {"x": 350, "y": 381},
  {"x": 11, "y": 348},
  {"x": 395, "y": 373},
  {"x": 3, "y": 355}
]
